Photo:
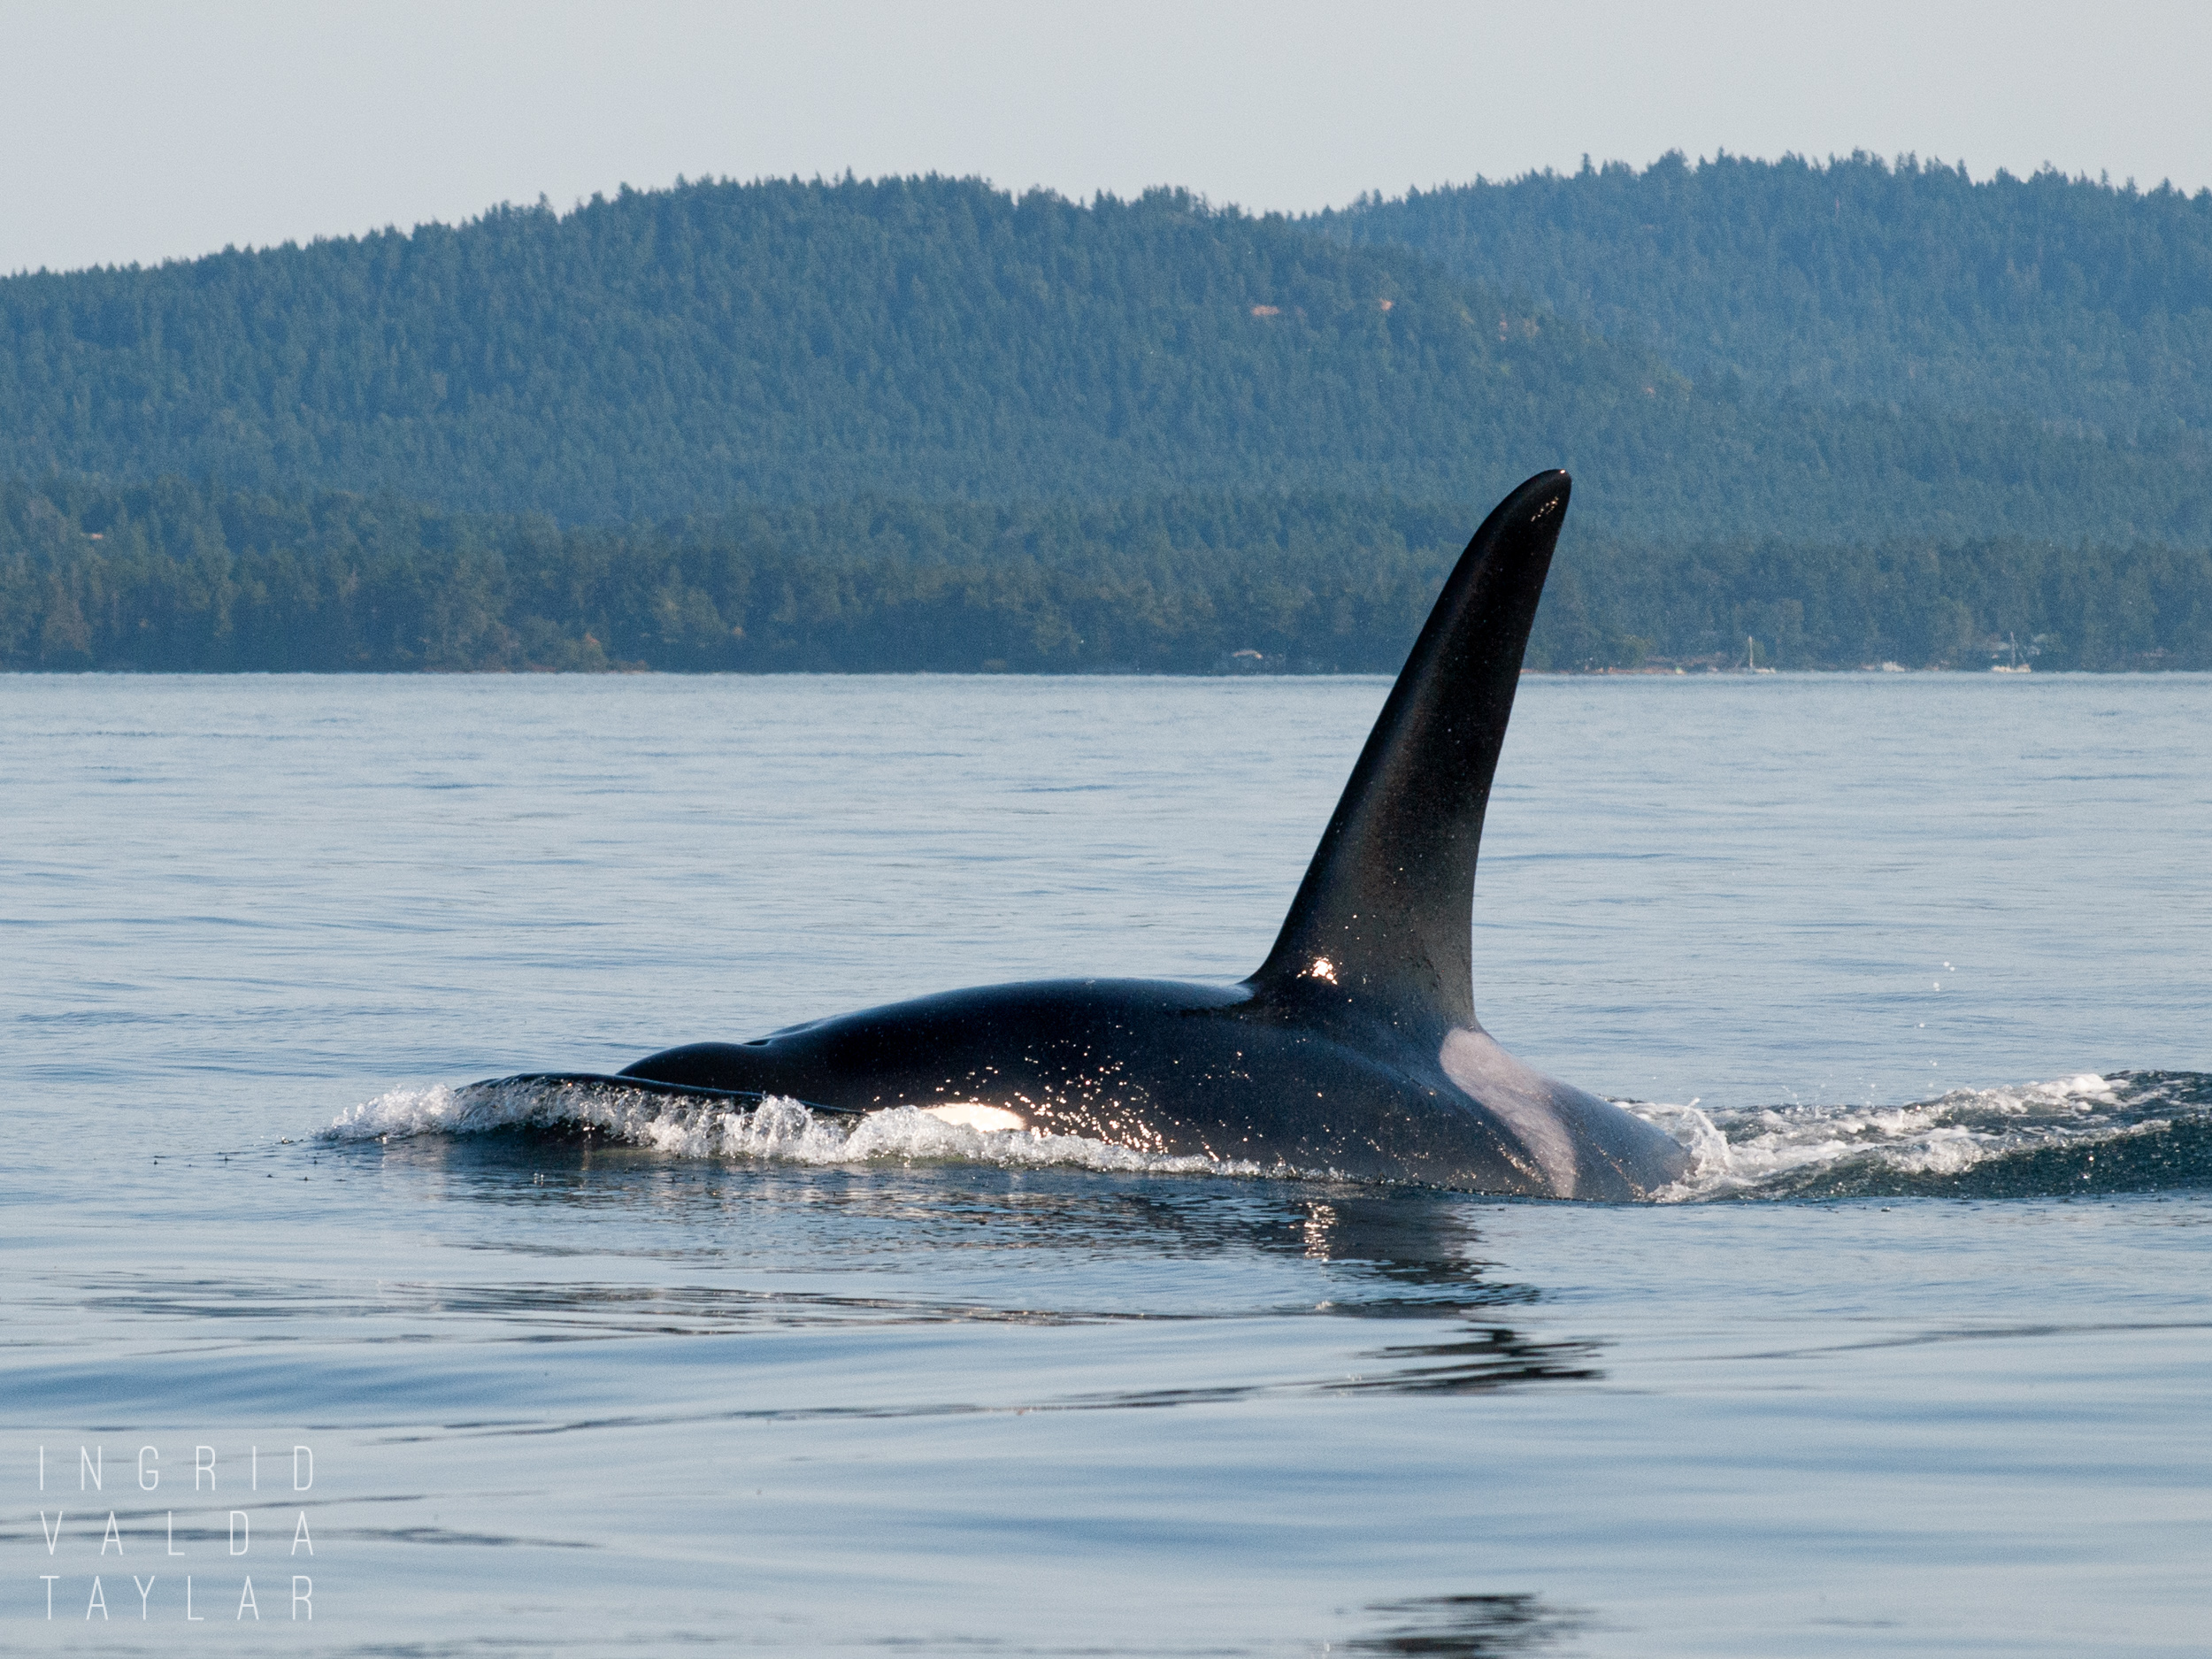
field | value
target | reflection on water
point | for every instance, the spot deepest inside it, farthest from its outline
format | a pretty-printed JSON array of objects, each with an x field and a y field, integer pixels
[
  {"x": 1483, "y": 1359},
  {"x": 1469, "y": 1627},
  {"x": 1479, "y": 1359},
  {"x": 663, "y": 1247},
  {"x": 1412, "y": 1239}
]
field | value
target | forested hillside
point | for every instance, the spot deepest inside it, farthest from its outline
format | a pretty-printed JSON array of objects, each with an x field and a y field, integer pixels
[
  {"x": 1855, "y": 282},
  {"x": 1864, "y": 413},
  {"x": 182, "y": 578},
  {"x": 682, "y": 352}
]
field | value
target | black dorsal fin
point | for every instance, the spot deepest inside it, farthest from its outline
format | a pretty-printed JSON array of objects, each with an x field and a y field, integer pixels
[{"x": 1388, "y": 905}]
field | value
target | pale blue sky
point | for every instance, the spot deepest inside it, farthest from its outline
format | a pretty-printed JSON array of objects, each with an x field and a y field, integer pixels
[{"x": 140, "y": 132}]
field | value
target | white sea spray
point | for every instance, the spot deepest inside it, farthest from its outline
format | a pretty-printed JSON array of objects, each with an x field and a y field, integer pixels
[
  {"x": 778, "y": 1130},
  {"x": 1740, "y": 1152},
  {"x": 1743, "y": 1151}
]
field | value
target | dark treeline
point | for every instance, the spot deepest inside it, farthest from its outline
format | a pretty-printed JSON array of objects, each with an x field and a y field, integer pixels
[
  {"x": 1855, "y": 282},
  {"x": 680, "y": 352},
  {"x": 180, "y": 577}
]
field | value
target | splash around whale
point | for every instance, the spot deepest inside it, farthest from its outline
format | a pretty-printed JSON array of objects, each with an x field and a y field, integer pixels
[{"x": 1355, "y": 1048}]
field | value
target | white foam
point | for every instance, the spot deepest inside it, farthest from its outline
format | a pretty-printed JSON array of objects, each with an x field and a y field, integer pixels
[
  {"x": 1733, "y": 1153},
  {"x": 1737, "y": 1152},
  {"x": 778, "y": 1130}
]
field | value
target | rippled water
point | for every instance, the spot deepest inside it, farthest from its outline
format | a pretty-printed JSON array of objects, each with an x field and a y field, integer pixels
[{"x": 1915, "y": 1363}]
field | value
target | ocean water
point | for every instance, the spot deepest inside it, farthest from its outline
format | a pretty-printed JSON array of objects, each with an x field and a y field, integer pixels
[{"x": 1918, "y": 1361}]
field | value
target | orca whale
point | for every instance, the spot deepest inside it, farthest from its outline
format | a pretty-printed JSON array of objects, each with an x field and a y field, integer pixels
[{"x": 1354, "y": 1051}]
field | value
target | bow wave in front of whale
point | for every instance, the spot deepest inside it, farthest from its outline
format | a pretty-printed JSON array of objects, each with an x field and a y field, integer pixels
[{"x": 1354, "y": 1051}]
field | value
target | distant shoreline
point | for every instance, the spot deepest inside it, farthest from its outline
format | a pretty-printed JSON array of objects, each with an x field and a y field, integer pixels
[{"x": 1697, "y": 675}]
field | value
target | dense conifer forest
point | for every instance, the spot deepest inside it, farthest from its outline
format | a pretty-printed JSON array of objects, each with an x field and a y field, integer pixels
[
  {"x": 180, "y": 577},
  {"x": 2076, "y": 303},
  {"x": 1862, "y": 412}
]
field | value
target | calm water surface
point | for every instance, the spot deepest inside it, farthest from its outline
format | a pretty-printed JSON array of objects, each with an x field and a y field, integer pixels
[{"x": 1921, "y": 966}]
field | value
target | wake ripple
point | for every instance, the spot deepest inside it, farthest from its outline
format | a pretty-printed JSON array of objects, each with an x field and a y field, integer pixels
[{"x": 2131, "y": 1132}]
